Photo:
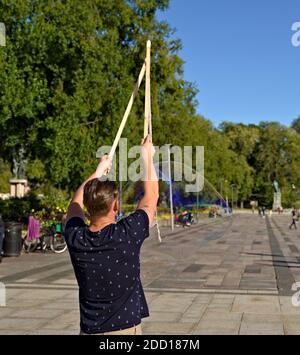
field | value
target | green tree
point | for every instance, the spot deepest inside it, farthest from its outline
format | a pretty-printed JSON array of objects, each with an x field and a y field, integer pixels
[
  {"x": 296, "y": 124},
  {"x": 242, "y": 138},
  {"x": 277, "y": 158},
  {"x": 66, "y": 76},
  {"x": 241, "y": 143},
  {"x": 5, "y": 175}
]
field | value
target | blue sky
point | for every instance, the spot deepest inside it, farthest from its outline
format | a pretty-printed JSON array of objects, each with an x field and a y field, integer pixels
[{"x": 240, "y": 56}]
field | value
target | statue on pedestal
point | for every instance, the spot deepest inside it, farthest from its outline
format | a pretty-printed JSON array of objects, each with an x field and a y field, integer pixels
[
  {"x": 19, "y": 164},
  {"x": 19, "y": 183},
  {"x": 277, "y": 196},
  {"x": 276, "y": 186}
]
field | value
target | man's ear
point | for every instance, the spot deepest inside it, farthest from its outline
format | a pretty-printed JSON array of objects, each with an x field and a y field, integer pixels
[{"x": 116, "y": 206}]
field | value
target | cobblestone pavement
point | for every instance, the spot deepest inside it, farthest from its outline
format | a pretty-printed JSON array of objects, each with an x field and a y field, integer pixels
[{"x": 230, "y": 276}]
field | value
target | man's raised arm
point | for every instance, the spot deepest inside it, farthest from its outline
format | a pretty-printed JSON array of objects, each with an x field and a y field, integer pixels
[{"x": 151, "y": 191}]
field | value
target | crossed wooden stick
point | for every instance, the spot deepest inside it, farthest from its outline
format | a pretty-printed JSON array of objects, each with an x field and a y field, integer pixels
[{"x": 146, "y": 69}]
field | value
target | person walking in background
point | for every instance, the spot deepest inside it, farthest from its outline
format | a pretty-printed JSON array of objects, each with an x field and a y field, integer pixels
[
  {"x": 294, "y": 219},
  {"x": 259, "y": 211},
  {"x": 279, "y": 210},
  {"x": 106, "y": 255}
]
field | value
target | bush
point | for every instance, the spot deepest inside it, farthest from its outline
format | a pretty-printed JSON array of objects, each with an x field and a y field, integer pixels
[
  {"x": 18, "y": 210},
  {"x": 55, "y": 200},
  {"x": 49, "y": 207}
]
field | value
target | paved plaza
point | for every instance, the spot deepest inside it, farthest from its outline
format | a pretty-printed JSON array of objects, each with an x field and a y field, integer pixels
[{"x": 227, "y": 276}]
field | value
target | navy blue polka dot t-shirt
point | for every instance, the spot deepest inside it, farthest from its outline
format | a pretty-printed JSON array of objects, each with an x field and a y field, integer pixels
[{"x": 107, "y": 269}]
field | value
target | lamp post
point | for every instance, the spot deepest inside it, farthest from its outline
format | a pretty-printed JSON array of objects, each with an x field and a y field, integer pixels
[
  {"x": 222, "y": 182},
  {"x": 294, "y": 194},
  {"x": 170, "y": 186},
  {"x": 221, "y": 191},
  {"x": 221, "y": 187},
  {"x": 2, "y": 35},
  {"x": 232, "y": 189},
  {"x": 227, "y": 205}
]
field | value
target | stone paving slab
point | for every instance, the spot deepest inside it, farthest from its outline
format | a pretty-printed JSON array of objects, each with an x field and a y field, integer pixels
[
  {"x": 194, "y": 313},
  {"x": 167, "y": 328},
  {"x": 259, "y": 324},
  {"x": 256, "y": 305},
  {"x": 217, "y": 327},
  {"x": 11, "y": 324},
  {"x": 37, "y": 312},
  {"x": 171, "y": 317},
  {"x": 69, "y": 320}
]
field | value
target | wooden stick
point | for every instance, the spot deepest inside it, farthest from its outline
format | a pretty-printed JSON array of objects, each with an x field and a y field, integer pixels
[
  {"x": 127, "y": 112},
  {"x": 147, "y": 121},
  {"x": 148, "y": 114}
]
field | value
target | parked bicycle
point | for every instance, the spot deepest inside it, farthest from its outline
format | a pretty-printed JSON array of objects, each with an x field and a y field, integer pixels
[
  {"x": 184, "y": 219},
  {"x": 48, "y": 238}
]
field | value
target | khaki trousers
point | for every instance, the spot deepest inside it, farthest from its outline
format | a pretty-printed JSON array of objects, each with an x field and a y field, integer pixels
[{"x": 137, "y": 330}]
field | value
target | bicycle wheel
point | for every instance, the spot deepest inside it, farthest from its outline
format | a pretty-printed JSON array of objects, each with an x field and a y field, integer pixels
[
  {"x": 43, "y": 243},
  {"x": 31, "y": 247},
  {"x": 58, "y": 244}
]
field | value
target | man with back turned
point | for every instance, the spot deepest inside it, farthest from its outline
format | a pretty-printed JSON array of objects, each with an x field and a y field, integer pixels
[{"x": 106, "y": 255}]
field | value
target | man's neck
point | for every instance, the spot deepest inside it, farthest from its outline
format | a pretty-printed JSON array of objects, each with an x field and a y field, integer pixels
[{"x": 100, "y": 223}]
